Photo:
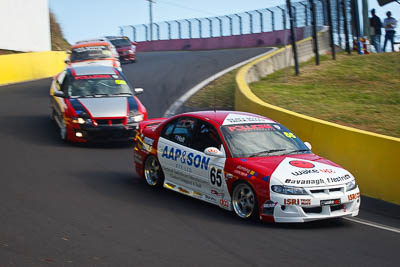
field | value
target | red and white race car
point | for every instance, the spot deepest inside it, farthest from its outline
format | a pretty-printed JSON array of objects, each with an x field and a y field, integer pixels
[{"x": 246, "y": 163}]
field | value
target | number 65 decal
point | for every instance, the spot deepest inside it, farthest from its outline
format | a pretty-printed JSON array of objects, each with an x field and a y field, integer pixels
[{"x": 216, "y": 176}]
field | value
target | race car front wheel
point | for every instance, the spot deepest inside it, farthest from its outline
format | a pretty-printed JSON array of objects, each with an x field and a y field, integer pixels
[
  {"x": 244, "y": 201},
  {"x": 153, "y": 173}
]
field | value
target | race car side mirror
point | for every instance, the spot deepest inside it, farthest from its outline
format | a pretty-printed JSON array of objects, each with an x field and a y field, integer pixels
[
  {"x": 138, "y": 91},
  {"x": 214, "y": 152},
  {"x": 59, "y": 93},
  {"x": 308, "y": 145}
]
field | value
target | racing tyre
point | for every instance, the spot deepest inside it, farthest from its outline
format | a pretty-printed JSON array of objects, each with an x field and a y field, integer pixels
[
  {"x": 153, "y": 173},
  {"x": 244, "y": 201}
]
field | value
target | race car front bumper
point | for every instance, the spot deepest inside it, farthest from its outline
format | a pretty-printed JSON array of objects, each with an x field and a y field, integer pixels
[
  {"x": 326, "y": 204},
  {"x": 112, "y": 133}
]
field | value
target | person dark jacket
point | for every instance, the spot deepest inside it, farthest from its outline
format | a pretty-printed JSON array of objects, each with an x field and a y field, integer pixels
[{"x": 375, "y": 22}]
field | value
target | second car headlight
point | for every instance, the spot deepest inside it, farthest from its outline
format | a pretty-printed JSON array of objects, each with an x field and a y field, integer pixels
[
  {"x": 80, "y": 120},
  {"x": 136, "y": 118},
  {"x": 351, "y": 185},
  {"x": 288, "y": 190}
]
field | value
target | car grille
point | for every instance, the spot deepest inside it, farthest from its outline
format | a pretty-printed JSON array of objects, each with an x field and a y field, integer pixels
[
  {"x": 319, "y": 209},
  {"x": 109, "y": 135},
  {"x": 110, "y": 121}
]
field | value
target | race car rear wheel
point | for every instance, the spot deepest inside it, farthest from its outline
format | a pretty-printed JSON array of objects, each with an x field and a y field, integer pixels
[
  {"x": 153, "y": 173},
  {"x": 244, "y": 201}
]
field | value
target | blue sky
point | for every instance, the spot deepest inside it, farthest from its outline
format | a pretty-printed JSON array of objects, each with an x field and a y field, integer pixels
[{"x": 82, "y": 19}]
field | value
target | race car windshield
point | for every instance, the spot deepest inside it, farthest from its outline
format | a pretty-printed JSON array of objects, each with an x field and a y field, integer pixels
[
  {"x": 261, "y": 139},
  {"x": 82, "y": 86},
  {"x": 90, "y": 53},
  {"x": 121, "y": 42}
]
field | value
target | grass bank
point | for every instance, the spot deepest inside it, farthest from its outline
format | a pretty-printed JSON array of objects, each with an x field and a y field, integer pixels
[{"x": 357, "y": 91}]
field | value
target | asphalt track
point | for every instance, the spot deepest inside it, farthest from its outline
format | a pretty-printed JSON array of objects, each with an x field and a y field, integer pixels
[{"x": 72, "y": 205}]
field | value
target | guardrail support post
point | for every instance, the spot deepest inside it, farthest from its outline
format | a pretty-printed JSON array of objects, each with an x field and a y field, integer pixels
[
  {"x": 133, "y": 33},
  {"x": 324, "y": 12},
  {"x": 179, "y": 29},
  {"x": 146, "y": 31},
  {"x": 261, "y": 20},
  {"x": 272, "y": 19},
  {"x": 220, "y": 25},
  {"x": 158, "y": 30},
  {"x": 169, "y": 30},
  {"x": 211, "y": 26},
  {"x": 305, "y": 13},
  {"x": 283, "y": 17},
  {"x": 251, "y": 21},
  {"x": 190, "y": 28},
  {"x": 200, "y": 28},
  {"x": 240, "y": 24},
  {"x": 230, "y": 24}
]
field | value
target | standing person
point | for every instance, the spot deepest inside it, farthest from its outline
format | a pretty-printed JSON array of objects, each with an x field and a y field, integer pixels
[
  {"x": 390, "y": 24},
  {"x": 376, "y": 32}
]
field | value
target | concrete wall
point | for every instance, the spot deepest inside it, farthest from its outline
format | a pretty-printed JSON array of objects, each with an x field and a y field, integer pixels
[
  {"x": 371, "y": 158},
  {"x": 276, "y": 38},
  {"x": 30, "y": 66},
  {"x": 25, "y": 25}
]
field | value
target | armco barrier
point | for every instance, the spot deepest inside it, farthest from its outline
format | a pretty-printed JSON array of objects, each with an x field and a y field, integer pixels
[
  {"x": 30, "y": 66},
  {"x": 275, "y": 38},
  {"x": 371, "y": 158}
]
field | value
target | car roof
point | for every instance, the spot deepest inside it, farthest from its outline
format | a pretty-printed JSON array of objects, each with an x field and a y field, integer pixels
[
  {"x": 90, "y": 43},
  {"x": 225, "y": 117},
  {"x": 117, "y": 37},
  {"x": 92, "y": 69}
]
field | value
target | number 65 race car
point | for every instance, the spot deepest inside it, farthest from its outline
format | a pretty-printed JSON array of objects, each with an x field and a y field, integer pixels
[{"x": 246, "y": 163}]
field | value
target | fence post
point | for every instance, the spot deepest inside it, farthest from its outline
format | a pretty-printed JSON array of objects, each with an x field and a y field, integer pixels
[
  {"x": 158, "y": 30},
  {"x": 251, "y": 21},
  {"x": 305, "y": 13},
  {"x": 330, "y": 24},
  {"x": 338, "y": 22},
  {"x": 133, "y": 33},
  {"x": 190, "y": 28},
  {"x": 272, "y": 19},
  {"x": 220, "y": 25},
  {"x": 283, "y": 17},
  {"x": 200, "y": 32},
  {"x": 315, "y": 34},
  {"x": 294, "y": 15},
  {"x": 230, "y": 24},
  {"x": 261, "y": 20},
  {"x": 240, "y": 24},
  {"x": 169, "y": 30},
  {"x": 179, "y": 29},
  {"x": 324, "y": 11},
  {"x": 211, "y": 26},
  {"x": 147, "y": 34},
  {"x": 346, "y": 29}
]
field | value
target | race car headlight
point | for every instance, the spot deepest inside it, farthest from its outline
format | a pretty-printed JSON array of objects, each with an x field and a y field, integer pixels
[
  {"x": 136, "y": 118},
  {"x": 80, "y": 120},
  {"x": 288, "y": 190},
  {"x": 351, "y": 185}
]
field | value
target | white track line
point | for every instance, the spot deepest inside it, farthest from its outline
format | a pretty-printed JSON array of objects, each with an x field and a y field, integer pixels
[
  {"x": 178, "y": 103},
  {"x": 376, "y": 225}
]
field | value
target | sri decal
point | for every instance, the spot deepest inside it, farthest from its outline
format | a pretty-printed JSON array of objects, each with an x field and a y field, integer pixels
[
  {"x": 189, "y": 159},
  {"x": 294, "y": 201}
]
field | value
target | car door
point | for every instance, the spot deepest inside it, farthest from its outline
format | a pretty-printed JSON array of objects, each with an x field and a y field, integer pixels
[{"x": 215, "y": 189}]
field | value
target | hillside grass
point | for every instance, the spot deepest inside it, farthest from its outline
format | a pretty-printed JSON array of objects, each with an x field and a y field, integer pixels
[{"x": 360, "y": 91}]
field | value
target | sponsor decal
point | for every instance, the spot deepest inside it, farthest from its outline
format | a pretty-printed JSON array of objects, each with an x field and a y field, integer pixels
[
  {"x": 353, "y": 196},
  {"x": 302, "y": 172},
  {"x": 338, "y": 179},
  {"x": 96, "y": 76},
  {"x": 211, "y": 199},
  {"x": 189, "y": 159},
  {"x": 184, "y": 177},
  {"x": 293, "y": 201},
  {"x": 301, "y": 164},
  {"x": 183, "y": 190},
  {"x": 89, "y": 48},
  {"x": 252, "y": 174},
  {"x": 268, "y": 207},
  {"x": 266, "y": 178},
  {"x": 289, "y": 135},
  {"x": 242, "y": 119},
  {"x": 251, "y": 127},
  {"x": 305, "y": 182},
  {"x": 138, "y": 158},
  {"x": 148, "y": 144},
  {"x": 224, "y": 203},
  {"x": 330, "y": 202},
  {"x": 120, "y": 82},
  {"x": 218, "y": 194},
  {"x": 180, "y": 139},
  {"x": 241, "y": 168},
  {"x": 228, "y": 175},
  {"x": 197, "y": 194},
  {"x": 276, "y": 126}
]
